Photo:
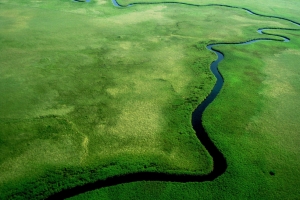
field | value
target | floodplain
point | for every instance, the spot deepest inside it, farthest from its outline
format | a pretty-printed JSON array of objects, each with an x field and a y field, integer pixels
[{"x": 90, "y": 91}]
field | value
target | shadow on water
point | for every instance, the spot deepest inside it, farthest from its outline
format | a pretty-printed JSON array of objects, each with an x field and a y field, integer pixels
[{"x": 219, "y": 160}]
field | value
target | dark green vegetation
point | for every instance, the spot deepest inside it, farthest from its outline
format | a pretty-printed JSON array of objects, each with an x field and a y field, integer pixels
[{"x": 90, "y": 91}]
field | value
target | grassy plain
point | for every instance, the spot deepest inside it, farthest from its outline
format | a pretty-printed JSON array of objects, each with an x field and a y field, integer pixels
[
  {"x": 91, "y": 91},
  {"x": 83, "y": 92},
  {"x": 254, "y": 122},
  {"x": 280, "y": 8}
]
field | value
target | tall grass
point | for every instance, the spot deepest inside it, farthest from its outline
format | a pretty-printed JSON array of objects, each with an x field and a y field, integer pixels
[{"x": 90, "y": 91}]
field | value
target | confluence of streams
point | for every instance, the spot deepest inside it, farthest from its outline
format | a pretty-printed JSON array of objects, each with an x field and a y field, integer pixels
[{"x": 219, "y": 160}]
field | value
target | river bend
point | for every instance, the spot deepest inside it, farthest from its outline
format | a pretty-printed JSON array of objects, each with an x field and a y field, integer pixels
[{"x": 219, "y": 160}]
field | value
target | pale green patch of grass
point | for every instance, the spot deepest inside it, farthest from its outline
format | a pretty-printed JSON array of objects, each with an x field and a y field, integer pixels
[
  {"x": 278, "y": 7},
  {"x": 81, "y": 92}
]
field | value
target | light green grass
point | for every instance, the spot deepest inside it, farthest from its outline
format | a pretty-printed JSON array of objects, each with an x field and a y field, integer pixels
[
  {"x": 85, "y": 86},
  {"x": 279, "y": 8},
  {"x": 80, "y": 93}
]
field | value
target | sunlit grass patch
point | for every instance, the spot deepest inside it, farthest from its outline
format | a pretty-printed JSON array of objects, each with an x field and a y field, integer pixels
[
  {"x": 89, "y": 93},
  {"x": 277, "y": 7}
]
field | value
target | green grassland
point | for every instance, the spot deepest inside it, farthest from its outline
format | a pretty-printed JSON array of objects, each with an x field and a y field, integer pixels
[
  {"x": 254, "y": 122},
  {"x": 288, "y": 9},
  {"x": 82, "y": 93},
  {"x": 89, "y": 91}
]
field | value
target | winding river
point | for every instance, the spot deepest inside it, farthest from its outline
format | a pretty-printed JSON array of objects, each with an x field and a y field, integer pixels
[{"x": 219, "y": 160}]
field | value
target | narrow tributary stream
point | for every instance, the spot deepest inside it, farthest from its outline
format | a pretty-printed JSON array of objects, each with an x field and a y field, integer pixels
[{"x": 219, "y": 160}]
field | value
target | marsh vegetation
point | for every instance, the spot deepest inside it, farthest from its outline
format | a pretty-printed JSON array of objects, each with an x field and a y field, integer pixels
[{"x": 89, "y": 91}]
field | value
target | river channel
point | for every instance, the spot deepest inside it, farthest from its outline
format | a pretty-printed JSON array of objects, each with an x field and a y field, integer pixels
[{"x": 219, "y": 160}]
